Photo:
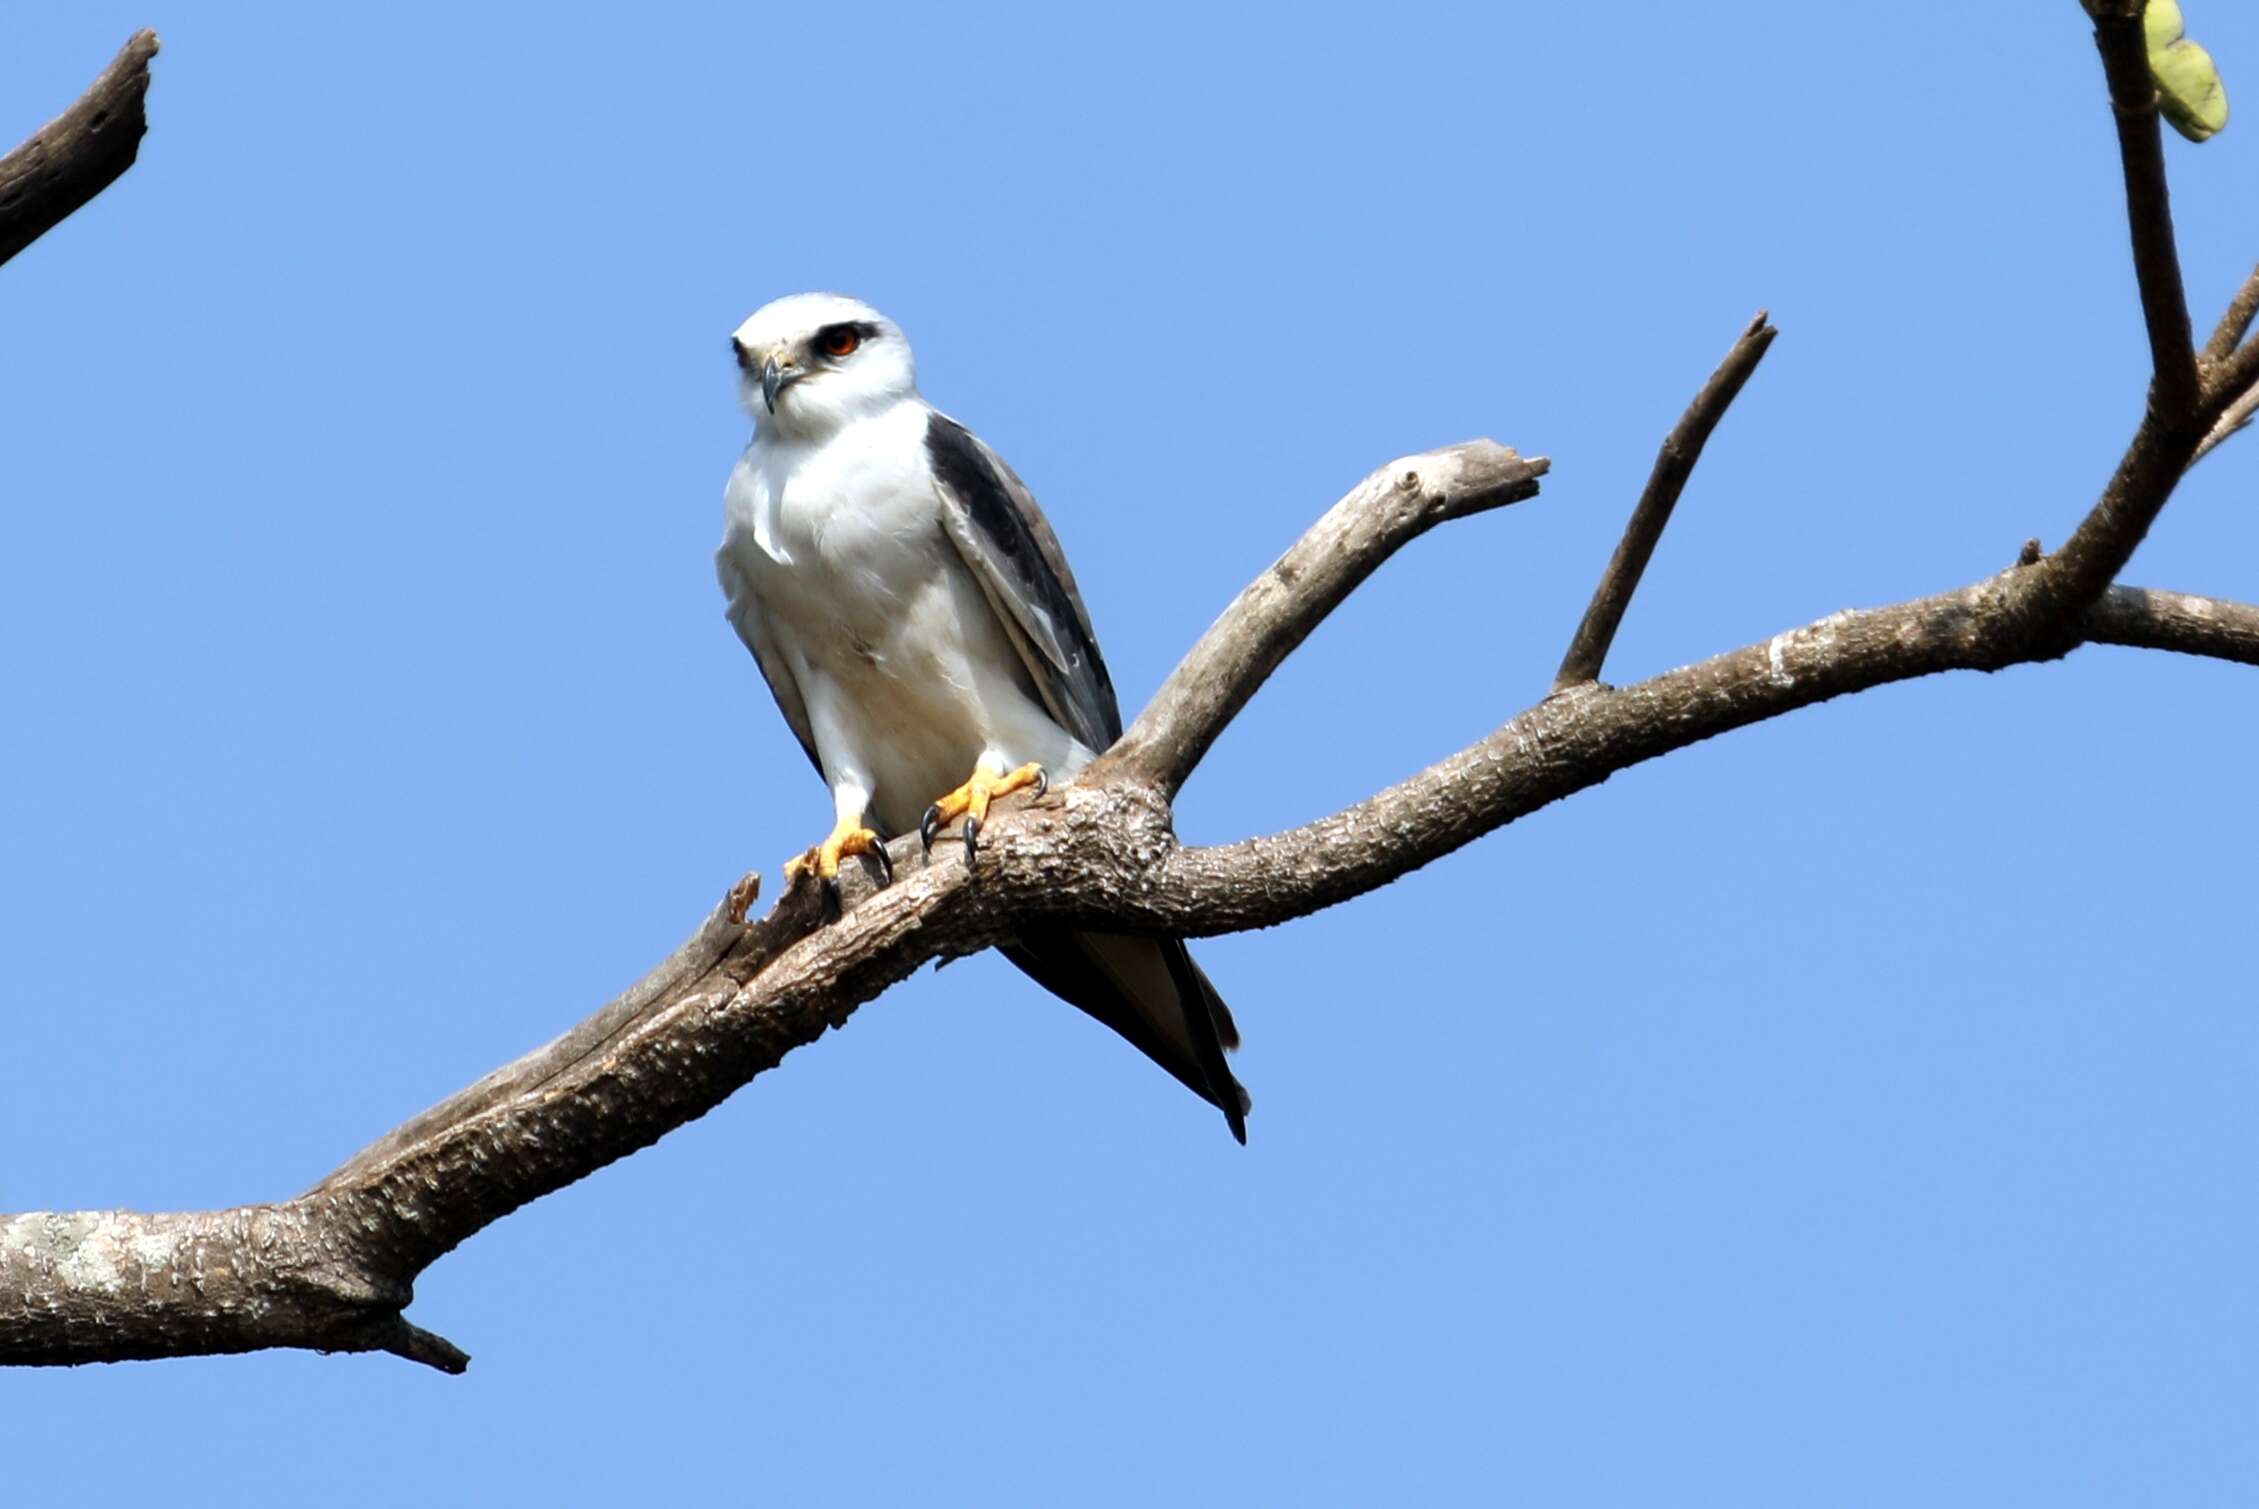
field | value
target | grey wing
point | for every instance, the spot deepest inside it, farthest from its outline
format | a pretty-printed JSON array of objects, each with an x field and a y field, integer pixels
[
  {"x": 752, "y": 624},
  {"x": 1146, "y": 989},
  {"x": 991, "y": 517}
]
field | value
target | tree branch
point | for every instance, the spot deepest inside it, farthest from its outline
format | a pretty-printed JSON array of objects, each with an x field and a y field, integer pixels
[
  {"x": 1588, "y": 650},
  {"x": 1264, "y": 624},
  {"x": 2149, "y": 211},
  {"x": 2146, "y": 619},
  {"x": 1579, "y": 738},
  {"x": 2231, "y": 386},
  {"x": 112, "y": 1286},
  {"x": 2232, "y": 418},
  {"x": 2075, "y": 577},
  {"x": 79, "y": 153},
  {"x": 2229, "y": 333},
  {"x": 334, "y": 1269}
]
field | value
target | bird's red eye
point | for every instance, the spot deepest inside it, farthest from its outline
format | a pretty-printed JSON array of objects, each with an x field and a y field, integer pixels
[{"x": 840, "y": 340}]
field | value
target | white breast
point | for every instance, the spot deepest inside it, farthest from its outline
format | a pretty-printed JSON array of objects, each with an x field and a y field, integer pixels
[{"x": 907, "y": 675}]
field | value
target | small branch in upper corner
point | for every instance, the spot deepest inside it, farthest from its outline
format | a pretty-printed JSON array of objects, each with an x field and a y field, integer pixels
[
  {"x": 79, "y": 153},
  {"x": 1588, "y": 650}
]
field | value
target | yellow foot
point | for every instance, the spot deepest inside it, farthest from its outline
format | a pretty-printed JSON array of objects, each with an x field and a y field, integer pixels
[
  {"x": 970, "y": 802},
  {"x": 847, "y": 840}
]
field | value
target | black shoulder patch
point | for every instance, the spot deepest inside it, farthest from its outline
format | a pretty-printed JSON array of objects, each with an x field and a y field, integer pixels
[
  {"x": 963, "y": 467},
  {"x": 965, "y": 472}
]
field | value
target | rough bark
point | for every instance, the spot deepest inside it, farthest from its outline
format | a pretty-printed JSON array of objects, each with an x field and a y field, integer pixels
[{"x": 79, "y": 153}]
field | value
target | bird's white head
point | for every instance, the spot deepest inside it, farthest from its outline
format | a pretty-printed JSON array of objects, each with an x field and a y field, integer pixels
[{"x": 811, "y": 363}]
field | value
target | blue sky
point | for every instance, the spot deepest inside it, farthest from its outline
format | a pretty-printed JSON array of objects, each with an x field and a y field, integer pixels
[{"x": 1855, "y": 1110}]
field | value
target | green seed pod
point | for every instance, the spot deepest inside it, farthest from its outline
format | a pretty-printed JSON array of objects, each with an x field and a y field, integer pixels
[{"x": 2189, "y": 90}]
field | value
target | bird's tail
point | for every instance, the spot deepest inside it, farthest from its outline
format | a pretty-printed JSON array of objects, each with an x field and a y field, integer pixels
[{"x": 1149, "y": 991}]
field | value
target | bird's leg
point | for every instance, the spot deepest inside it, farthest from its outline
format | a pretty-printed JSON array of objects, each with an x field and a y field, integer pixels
[
  {"x": 988, "y": 781},
  {"x": 848, "y": 838}
]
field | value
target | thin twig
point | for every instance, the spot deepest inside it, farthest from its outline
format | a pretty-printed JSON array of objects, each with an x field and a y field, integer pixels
[
  {"x": 2149, "y": 210},
  {"x": 2232, "y": 418},
  {"x": 79, "y": 153},
  {"x": 2229, "y": 333},
  {"x": 2237, "y": 374},
  {"x": 404, "y": 1338},
  {"x": 1588, "y": 650}
]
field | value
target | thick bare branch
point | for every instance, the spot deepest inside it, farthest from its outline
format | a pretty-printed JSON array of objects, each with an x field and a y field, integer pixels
[
  {"x": 1264, "y": 624},
  {"x": 1588, "y": 650},
  {"x": 1579, "y": 738},
  {"x": 111, "y": 1286},
  {"x": 334, "y": 1268},
  {"x": 548, "y": 1065},
  {"x": 79, "y": 153},
  {"x": 2149, "y": 208}
]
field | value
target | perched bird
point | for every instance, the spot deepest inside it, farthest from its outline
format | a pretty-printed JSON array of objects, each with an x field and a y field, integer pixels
[{"x": 916, "y": 620}]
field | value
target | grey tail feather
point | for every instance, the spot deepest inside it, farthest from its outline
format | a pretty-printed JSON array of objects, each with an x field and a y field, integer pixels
[
  {"x": 1059, "y": 963},
  {"x": 1227, "y": 1030},
  {"x": 1209, "y": 1023}
]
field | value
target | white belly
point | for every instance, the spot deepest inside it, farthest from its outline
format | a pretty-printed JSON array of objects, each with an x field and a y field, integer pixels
[{"x": 908, "y": 676}]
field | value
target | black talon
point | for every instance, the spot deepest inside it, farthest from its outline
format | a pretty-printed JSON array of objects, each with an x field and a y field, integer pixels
[
  {"x": 927, "y": 826},
  {"x": 972, "y": 831},
  {"x": 885, "y": 863},
  {"x": 832, "y": 908},
  {"x": 1042, "y": 783}
]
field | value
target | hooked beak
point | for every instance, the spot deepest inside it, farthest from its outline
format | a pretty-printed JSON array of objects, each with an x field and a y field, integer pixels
[{"x": 775, "y": 379}]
